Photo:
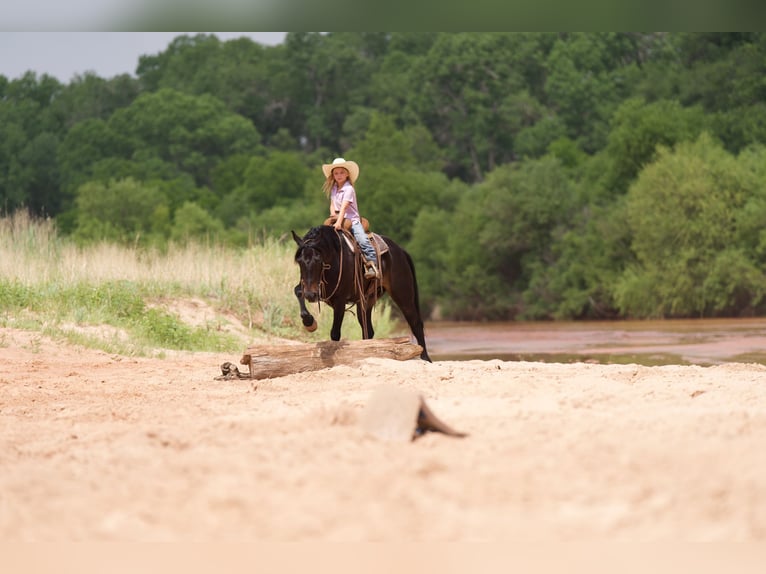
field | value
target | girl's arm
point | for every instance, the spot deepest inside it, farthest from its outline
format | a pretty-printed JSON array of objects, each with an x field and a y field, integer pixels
[{"x": 341, "y": 215}]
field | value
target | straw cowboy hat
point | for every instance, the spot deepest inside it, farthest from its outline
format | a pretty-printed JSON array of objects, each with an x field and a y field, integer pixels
[{"x": 351, "y": 167}]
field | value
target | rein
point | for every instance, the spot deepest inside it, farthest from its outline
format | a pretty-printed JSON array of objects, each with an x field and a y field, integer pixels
[{"x": 323, "y": 281}]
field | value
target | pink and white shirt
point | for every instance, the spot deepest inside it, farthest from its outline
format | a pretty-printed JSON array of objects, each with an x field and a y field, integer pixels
[{"x": 339, "y": 196}]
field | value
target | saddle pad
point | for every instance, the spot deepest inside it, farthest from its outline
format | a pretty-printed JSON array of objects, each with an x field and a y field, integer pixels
[{"x": 378, "y": 243}]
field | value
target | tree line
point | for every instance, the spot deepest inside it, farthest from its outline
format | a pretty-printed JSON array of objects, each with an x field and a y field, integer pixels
[{"x": 530, "y": 175}]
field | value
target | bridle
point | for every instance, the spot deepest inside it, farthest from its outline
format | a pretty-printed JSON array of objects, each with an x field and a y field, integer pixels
[{"x": 325, "y": 267}]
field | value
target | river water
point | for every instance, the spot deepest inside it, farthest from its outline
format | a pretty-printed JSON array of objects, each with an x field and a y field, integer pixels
[{"x": 665, "y": 342}]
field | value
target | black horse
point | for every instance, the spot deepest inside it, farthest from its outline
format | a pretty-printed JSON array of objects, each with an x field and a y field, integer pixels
[{"x": 333, "y": 273}]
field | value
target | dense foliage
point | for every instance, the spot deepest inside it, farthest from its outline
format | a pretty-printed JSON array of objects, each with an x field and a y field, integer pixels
[{"x": 530, "y": 175}]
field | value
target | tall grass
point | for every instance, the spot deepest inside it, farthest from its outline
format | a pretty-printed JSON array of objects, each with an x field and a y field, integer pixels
[{"x": 122, "y": 299}]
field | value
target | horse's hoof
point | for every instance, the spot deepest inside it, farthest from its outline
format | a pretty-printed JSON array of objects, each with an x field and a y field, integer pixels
[{"x": 311, "y": 328}]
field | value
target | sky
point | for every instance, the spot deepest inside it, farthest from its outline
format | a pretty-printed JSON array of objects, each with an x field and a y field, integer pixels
[{"x": 64, "y": 55}]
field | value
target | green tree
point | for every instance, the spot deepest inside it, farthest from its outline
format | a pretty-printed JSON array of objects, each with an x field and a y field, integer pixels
[
  {"x": 410, "y": 148},
  {"x": 531, "y": 205},
  {"x": 589, "y": 74},
  {"x": 250, "y": 79},
  {"x": 390, "y": 87},
  {"x": 587, "y": 259},
  {"x": 85, "y": 144},
  {"x": 331, "y": 77},
  {"x": 722, "y": 70},
  {"x": 41, "y": 175},
  {"x": 683, "y": 212},
  {"x": 493, "y": 241},
  {"x": 472, "y": 287},
  {"x": 279, "y": 178},
  {"x": 194, "y": 133},
  {"x": 390, "y": 197},
  {"x": 465, "y": 90},
  {"x": 29, "y": 134},
  {"x": 740, "y": 127},
  {"x": 277, "y": 221},
  {"x": 88, "y": 96},
  {"x": 124, "y": 211},
  {"x": 431, "y": 231},
  {"x": 534, "y": 140},
  {"x": 750, "y": 232},
  {"x": 639, "y": 128},
  {"x": 191, "y": 221},
  {"x": 13, "y": 139}
]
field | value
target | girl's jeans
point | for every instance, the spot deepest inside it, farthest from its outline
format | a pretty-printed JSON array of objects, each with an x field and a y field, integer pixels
[{"x": 364, "y": 242}]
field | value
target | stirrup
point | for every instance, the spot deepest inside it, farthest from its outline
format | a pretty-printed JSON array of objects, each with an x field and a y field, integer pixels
[{"x": 371, "y": 271}]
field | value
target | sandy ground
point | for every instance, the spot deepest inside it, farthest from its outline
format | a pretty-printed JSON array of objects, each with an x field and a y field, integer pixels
[{"x": 98, "y": 447}]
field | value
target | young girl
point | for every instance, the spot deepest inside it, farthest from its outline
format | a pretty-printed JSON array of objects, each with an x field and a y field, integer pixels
[{"x": 340, "y": 176}]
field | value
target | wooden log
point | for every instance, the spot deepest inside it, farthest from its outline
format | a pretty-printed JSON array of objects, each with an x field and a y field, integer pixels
[{"x": 269, "y": 361}]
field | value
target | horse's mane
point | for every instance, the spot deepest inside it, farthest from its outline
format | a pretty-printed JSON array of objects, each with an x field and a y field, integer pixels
[{"x": 322, "y": 238}]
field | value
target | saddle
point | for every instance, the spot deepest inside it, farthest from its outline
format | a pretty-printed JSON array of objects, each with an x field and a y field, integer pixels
[{"x": 347, "y": 223}]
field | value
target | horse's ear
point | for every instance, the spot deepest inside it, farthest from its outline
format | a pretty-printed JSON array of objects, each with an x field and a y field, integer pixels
[{"x": 298, "y": 240}]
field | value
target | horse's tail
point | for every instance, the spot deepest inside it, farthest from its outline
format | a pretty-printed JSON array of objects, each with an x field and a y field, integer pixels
[{"x": 411, "y": 263}]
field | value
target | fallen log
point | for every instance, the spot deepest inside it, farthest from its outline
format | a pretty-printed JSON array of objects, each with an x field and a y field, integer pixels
[{"x": 269, "y": 361}]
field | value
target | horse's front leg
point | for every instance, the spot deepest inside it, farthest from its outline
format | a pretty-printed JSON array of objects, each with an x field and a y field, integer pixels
[
  {"x": 308, "y": 319},
  {"x": 338, "y": 311},
  {"x": 364, "y": 316}
]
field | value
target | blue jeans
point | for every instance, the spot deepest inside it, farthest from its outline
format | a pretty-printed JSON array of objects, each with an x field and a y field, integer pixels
[{"x": 364, "y": 242}]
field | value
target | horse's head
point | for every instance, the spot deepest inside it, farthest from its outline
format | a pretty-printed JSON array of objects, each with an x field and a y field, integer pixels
[{"x": 311, "y": 263}]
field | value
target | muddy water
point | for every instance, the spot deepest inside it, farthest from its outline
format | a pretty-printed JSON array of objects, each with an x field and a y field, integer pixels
[{"x": 668, "y": 342}]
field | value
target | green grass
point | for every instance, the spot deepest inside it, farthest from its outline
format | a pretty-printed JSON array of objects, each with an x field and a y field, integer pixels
[{"x": 196, "y": 297}]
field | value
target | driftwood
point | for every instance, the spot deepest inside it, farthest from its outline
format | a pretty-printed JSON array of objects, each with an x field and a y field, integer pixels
[
  {"x": 269, "y": 361},
  {"x": 230, "y": 371},
  {"x": 401, "y": 415}
]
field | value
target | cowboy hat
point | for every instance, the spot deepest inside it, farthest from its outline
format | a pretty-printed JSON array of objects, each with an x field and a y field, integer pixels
[{"x": 351, "y": 167}]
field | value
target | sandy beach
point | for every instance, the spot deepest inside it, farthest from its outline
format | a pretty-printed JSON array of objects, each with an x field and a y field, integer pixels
[{"x": 101, "y": 447}]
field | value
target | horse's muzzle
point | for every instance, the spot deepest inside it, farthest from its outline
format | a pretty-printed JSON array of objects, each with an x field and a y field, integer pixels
[{"x": 310, "y": 296}]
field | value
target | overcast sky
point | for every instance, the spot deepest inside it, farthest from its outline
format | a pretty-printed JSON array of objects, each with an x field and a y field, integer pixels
[{"x": 107, "y": 54}]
